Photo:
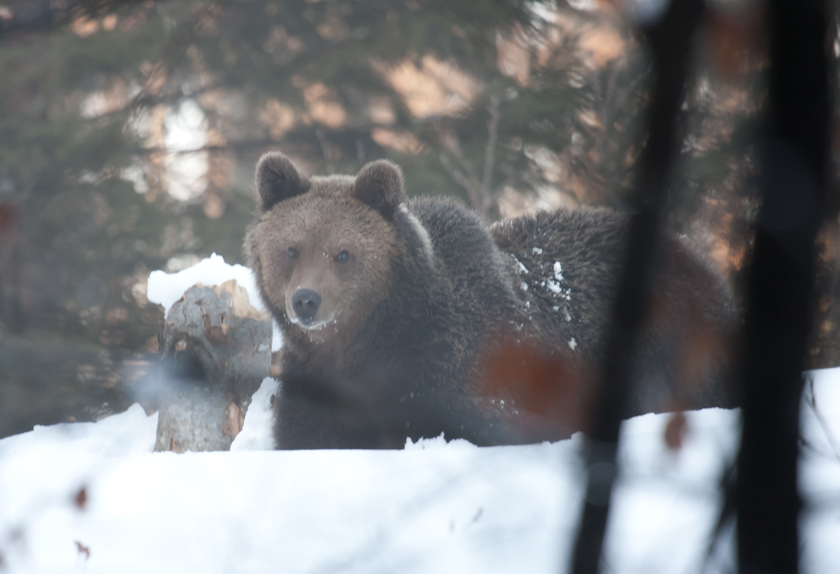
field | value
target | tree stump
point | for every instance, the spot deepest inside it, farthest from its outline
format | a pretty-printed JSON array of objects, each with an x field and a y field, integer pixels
[{"x": 216, "y": 351}]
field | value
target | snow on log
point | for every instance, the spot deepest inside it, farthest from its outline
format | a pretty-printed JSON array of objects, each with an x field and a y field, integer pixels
[{"x": 216, "y": 350}]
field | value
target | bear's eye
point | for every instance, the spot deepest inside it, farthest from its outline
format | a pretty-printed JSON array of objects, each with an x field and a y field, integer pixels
[
  {"x": 293, "y": 253},
  {"x": 342, "y": 257}
]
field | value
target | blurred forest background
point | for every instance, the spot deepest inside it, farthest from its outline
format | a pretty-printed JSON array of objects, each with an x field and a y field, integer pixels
[{"x": 129, "y": 132}]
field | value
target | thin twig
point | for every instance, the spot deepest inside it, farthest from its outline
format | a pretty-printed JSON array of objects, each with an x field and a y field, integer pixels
[
  {"x": 461, "y": 179},
  {"x": 325, "y": 149},
  {"x": 453, "y": 147},
  {"x": 468, "y": 180},
  {"x": 812, "y": 402},
  {"x": 478, "y": 190}
]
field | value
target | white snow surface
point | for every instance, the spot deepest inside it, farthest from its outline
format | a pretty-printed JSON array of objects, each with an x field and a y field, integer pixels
[
  {"x": 167, "y": 288},
  {"x": 434, "y": 507},
  {"x": 256, "y": 431}
]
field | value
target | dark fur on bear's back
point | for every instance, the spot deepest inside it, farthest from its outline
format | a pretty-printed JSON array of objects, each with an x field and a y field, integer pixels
[
  {"x": 416, "y": 296},
  {"x": 690, "y": 300}
]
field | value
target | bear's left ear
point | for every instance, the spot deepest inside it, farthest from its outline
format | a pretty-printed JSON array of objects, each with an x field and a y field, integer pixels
[{"x": 380, "y": 185}]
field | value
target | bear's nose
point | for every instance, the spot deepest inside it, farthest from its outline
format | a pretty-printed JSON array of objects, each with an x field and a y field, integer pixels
[{"x": 305, "y": 302}]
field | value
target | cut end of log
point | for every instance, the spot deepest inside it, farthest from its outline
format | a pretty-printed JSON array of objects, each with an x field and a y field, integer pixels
[{"x": 241, "y": 302}]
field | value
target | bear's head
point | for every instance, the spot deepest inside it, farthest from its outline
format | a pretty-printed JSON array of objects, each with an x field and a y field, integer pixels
[{"x": 323, "y": 247}]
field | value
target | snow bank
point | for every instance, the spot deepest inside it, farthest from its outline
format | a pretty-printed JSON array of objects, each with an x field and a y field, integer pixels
[
  {"x": 257, "y": 430},
  {"x": 434, "y": 507},
  {"x": 167, "y": 288}
]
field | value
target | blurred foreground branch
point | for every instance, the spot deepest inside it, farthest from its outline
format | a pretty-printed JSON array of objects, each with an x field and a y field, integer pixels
[
  {"x": 781, "y": 282},
  {"x": 670, "y": 37}
]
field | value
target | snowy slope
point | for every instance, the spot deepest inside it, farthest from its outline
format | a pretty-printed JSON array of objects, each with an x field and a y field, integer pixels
[{"x": 433, "y": 507}]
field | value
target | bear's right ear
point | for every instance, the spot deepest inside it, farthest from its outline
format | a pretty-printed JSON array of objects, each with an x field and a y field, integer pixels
[
  {"x": 380, "y": 185},
  {"x": 278, "y": 179}
]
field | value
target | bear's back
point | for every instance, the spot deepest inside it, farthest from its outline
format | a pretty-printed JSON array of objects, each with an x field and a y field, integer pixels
[
  {"x": 567, "y": 263},
  {"x": 466, "y": 256}
]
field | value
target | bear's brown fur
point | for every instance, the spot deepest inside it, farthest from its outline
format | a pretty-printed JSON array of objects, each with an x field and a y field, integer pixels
[
  {"x": 567, "y": 263},
  {"x": 391, "y": 309}
]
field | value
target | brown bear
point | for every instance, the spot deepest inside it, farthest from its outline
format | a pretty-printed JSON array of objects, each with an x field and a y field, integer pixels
[{"x": 392, "y": 310}]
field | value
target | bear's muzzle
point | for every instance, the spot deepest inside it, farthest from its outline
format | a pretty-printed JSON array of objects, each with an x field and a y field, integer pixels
[{"x": 306, "y": 302}]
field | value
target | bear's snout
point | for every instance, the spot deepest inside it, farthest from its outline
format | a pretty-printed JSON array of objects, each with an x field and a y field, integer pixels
[{"x": 306, "y": 302}]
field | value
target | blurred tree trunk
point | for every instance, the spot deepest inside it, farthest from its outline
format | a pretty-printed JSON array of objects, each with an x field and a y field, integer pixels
[{"x": 781, "y": 285}]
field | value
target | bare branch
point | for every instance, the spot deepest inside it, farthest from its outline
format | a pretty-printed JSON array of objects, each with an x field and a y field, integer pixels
[
  {"x": 462, "y": 180},
  {"x": 812, "y": 402},
  {"x": 480, "y": 192},
  {"x": 492, "y": 136},
  {"x": 230, "y": 146},
  {"x": 451, "y": 145},
  {"x": 469, "y": 181}
]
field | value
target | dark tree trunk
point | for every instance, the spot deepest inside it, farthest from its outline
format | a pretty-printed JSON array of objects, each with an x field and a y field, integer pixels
[{"x": 781, "y": 283}]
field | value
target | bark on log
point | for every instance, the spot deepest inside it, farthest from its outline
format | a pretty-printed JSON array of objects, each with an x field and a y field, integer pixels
[{"x": 216, "y": 351}]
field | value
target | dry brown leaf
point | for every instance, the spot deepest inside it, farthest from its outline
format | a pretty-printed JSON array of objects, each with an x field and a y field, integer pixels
[{"x": 675, "y": 431}]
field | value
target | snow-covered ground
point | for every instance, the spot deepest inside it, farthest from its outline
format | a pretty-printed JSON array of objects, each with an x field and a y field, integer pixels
[{"x": 433, "y": 507}]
